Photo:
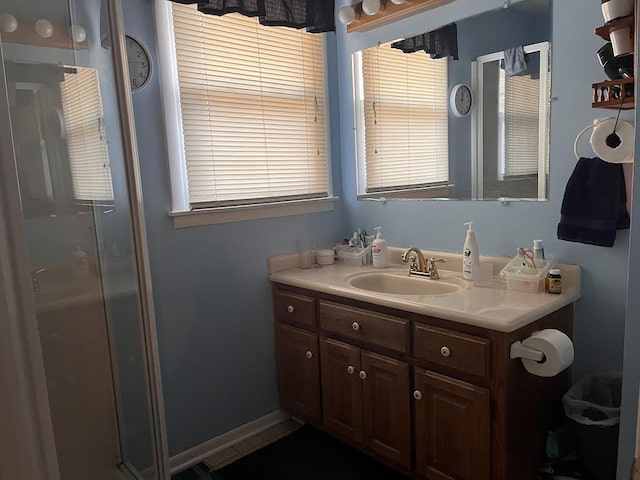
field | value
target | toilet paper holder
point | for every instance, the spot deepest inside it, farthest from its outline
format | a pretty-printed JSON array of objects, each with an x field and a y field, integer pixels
[{"x": 518, "y": 350}]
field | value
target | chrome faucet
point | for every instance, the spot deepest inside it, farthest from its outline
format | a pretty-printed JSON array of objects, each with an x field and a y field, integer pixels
[
  {"x": 421, "y": 267},
  {"x": 413, "y": 266}
]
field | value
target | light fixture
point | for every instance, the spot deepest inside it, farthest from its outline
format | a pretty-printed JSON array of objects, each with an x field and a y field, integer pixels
[
  {"x": 78, "y": 33},
  {"x": 44, "y": 28},
  {"x": 398, "y": 2},
  {"x": 8, "y": 23},
  {"x": 347, "y": 15},
  {"x": 371, "y": 7}
]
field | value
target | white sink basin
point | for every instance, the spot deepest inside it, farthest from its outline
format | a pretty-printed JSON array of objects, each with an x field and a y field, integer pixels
[{"x": 401, "y": 284}]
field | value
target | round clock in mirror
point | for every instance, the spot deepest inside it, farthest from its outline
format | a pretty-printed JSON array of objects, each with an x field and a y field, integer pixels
[
  {"x": 461, "y": 100},
  {"x": 139, "y": 62}
]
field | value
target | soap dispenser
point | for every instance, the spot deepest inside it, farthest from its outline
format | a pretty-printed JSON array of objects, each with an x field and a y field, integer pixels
[
  {"x": 471, "y": 257},
  {"x": 380, "y": 250}
]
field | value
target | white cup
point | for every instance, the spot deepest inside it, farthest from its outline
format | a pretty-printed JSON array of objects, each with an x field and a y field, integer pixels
[{"x": 482, "y": 274}]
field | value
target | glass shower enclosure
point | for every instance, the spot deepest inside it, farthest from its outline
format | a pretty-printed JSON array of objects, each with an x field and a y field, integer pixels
[{"x": 70, "y": 192}]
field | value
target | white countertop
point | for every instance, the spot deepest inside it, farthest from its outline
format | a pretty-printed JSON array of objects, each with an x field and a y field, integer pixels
[{"x": 493, "y": 307}]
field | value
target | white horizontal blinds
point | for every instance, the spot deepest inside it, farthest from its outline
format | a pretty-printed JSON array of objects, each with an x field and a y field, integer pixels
[
  {"x": 405, "y": 117},
  {"x": 521, "y": 117},
  {"x": 252, "y": 109},
  {"x": 85, "y": 135}
]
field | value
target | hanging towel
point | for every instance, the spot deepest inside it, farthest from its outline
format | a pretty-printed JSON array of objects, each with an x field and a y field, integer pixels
[
  {"x": 514, "y": 61},
  {"x": 594, "y": 203}
]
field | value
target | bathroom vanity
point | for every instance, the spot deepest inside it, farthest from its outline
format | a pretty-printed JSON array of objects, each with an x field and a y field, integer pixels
[{"x": 423, "y": 383}]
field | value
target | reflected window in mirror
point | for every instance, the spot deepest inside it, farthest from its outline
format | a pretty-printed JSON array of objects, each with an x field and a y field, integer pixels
[
  {"x": 83, "y": 124},
  {"x": 402, "y": 128},
  {"x": 513, "y": 126}
]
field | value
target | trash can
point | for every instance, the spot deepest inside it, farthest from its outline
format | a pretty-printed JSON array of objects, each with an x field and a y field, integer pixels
[{"x": 594, "y": 405}]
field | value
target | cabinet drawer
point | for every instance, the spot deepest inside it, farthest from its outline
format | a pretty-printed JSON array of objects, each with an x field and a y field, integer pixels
[
  {"x": 293, "y": 308},
  {"x": 376, "y": 328},
  {"x": 458, "y": 351}
]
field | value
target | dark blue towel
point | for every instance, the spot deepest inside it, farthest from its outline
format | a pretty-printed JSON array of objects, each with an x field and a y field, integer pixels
[{"x": 594, "y": 204}]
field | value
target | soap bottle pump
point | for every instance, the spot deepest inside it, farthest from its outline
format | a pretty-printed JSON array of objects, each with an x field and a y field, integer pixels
[
  {"x": 471, "y": 257},
  {"x": 380, "y": 250}
]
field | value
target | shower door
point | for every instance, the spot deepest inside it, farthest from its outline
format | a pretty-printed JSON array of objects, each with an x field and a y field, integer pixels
[{"x": 70, "y": 192}]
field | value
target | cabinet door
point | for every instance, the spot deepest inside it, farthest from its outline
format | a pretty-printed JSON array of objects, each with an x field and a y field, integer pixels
[
  {"x": 298, "y": 372},
  {"x": 451, "y": 428},
  {"x": 386, "y": 407},
  {"x": 341, "y": 388}
]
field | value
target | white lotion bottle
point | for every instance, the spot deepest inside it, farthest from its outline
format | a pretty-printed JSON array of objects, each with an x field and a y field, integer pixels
[
  {"x": 380, "y": 250},
  {"x": 471, "y": 257}
]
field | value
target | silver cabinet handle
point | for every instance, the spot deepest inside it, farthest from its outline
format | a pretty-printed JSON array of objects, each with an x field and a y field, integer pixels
[
  {"x": 355, "y": 326},
  {"x": 417, "y": 394},
  {"x": 309, "y": 354},
  {"x": 351, "y": 370},
  {"x": 445, "y": 351},
  {"x": 363, "y": 374},
  {"x": 291, "y": 309}
]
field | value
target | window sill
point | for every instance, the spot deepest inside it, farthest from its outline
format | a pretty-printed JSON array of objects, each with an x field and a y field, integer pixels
[{"x": 212, "y": 216}]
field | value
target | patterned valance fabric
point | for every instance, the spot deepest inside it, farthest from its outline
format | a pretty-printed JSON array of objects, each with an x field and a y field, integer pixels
[
  {"x": 440, "y": 43},
  {"x": 316, "y": 16}
]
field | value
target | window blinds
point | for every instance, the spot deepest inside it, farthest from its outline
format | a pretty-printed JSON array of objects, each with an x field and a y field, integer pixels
[
  {"x": 85, "y": 134},
  {"x": 406, "y": 121},
  {"x": 521, "y": 117},
  {"x": 253, "y": 109}
]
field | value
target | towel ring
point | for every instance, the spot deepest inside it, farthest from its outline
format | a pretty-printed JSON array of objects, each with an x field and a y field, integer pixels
[{"x": 575, "y": 144}]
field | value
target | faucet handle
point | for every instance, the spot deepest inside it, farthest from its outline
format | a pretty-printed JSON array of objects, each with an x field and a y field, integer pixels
[{"x": 432, "y": 269}]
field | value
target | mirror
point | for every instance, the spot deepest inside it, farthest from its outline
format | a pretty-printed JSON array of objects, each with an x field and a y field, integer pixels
[
  {"x": 61, "y": 149},
  {"x": 411, "y": 141}
]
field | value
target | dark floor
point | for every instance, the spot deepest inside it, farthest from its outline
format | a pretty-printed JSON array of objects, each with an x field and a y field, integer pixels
[{"x": 305, "y": 454}]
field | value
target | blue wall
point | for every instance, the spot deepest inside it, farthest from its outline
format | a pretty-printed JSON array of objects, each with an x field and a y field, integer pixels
[
  {"x": 211, "y": 290},
  {"x": 212, "y": 296}
]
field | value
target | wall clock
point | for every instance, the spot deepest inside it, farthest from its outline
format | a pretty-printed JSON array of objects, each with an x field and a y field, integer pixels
[
  {"x": 139, "y": 62},
  {"x": 461, "y": 100}
]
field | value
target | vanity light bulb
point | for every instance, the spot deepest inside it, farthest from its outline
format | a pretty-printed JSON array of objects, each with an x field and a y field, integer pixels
[
  {"x": 78, "y": 33},
  {"x": 371, "y": 7},
  {"x": 44, "y": 28},
  {"x": 398, "y": 2},
  {"x": 8, "y": 23},
  {"x": 347, "y": 15}
]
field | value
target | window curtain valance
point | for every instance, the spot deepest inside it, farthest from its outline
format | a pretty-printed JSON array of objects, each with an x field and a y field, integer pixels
[
  {"x": 440, "y": 43},
  {"x": 316, "y": 16}
]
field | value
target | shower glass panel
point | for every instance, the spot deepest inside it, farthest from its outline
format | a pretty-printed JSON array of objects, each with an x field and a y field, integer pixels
[{"x": 70, "y": 163}]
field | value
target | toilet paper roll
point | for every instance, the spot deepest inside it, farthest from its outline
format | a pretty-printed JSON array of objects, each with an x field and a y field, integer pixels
[
  {"x": 557, "y": 349},
  {"x": 623, "y": 152}
]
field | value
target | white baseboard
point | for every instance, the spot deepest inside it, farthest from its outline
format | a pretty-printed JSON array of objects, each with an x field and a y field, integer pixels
[{"x": 194, "y": 455}]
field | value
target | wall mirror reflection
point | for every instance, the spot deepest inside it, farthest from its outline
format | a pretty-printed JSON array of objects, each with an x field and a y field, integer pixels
[
  {"x": 512, "y": 121},
  {"x": 413, "y": 142},
  {"x": 60, "y": 138}
]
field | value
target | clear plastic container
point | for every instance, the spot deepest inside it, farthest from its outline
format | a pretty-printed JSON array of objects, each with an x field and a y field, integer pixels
[
  {"x": 353, "y": 257},
  {"x": 526, "y": 279}
]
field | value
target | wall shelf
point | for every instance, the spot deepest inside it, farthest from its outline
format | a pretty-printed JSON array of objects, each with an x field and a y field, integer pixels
[
  {"x": 611, "y": 93},
  {"x": 390, "y": 13}
]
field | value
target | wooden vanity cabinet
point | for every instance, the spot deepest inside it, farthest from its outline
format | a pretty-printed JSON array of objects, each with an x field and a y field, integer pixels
[
  {"x": 433, "y": 398},
  {"x": 365, "y": 399},
  {"x": 298, "y": 371}
]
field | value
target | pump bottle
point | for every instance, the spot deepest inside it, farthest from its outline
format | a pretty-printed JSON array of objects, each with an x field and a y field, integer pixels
[
  {"x": 380, "y": 251},
  {"x": 471, "y": 257}
]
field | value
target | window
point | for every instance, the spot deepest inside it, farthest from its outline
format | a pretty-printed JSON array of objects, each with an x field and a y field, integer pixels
[
  {"x": 85, "y": 135},
  {"x": 251, "y": 110},
  {"x": 519, "y": 100},
  {"x": 402, "y": 120}
]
